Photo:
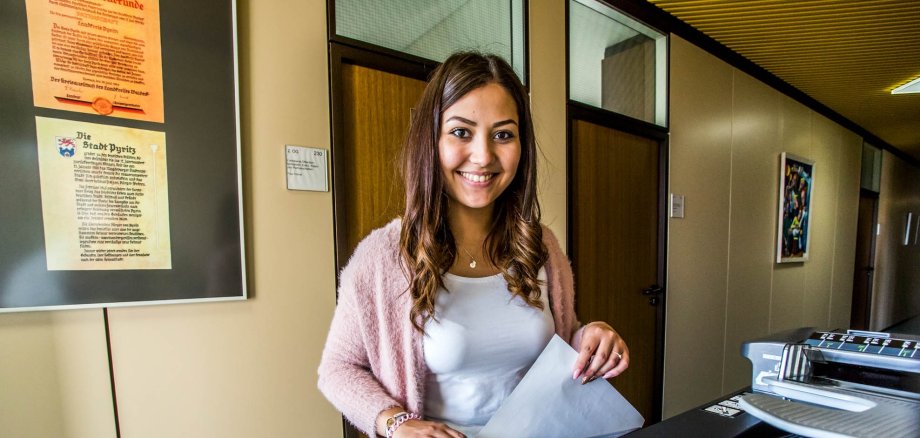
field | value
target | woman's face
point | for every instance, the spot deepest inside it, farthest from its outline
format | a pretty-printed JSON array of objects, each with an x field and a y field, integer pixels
[{"x": 479, "y": 146}]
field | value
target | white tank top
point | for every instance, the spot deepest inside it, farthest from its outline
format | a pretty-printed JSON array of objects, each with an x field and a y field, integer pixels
[{"x": 480, "y": 347}]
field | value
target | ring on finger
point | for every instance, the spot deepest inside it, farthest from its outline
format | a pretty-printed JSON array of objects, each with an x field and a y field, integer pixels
[{"x": 618, "y": 355}]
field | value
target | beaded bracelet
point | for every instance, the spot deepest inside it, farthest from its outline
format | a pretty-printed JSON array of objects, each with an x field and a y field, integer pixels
[{"x": 398, "y": 420}]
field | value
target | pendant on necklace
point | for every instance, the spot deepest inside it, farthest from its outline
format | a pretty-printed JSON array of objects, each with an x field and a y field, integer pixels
[{"x": 472, "y": 260}]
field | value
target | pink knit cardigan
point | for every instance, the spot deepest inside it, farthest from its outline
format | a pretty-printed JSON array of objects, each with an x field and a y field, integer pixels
[{"x": 373, "y": 358}]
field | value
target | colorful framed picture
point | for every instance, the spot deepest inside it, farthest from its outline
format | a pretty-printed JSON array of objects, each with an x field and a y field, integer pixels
[{"x": 796, "y": 186}]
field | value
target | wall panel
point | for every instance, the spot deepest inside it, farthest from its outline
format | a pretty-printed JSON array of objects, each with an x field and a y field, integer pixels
[
  {"x": 30, "y": 402},
  {"x": 547, "y": 100},
  {"x": 847, "y": 211},
  {"x": 786, "y": 310},
  {"x": 54, "y": 376},
  {"x": 755, "y": 128},
  {"x": 700, "y": 169},
  {"x": 825, "y": 152}
]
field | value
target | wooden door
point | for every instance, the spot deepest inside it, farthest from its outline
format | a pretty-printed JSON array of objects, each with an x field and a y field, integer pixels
[
  {"x": 375, "y": 117},
  {"x": 615, "y": 249},
  {"x": 864, "y": 267},
  {"x": 370, "y": 117}
]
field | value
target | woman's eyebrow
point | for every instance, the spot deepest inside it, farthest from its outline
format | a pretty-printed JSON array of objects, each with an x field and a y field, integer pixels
[
  {"x": 472, "y": 123},
  {"x": 461, "y": 119}
]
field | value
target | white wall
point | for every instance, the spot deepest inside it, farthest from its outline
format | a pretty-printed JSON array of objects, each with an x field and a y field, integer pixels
[{"x": 727, "y": 133}]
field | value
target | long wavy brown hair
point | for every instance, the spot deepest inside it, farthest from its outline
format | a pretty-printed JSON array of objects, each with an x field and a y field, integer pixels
[{"x": 515, "y": 240}]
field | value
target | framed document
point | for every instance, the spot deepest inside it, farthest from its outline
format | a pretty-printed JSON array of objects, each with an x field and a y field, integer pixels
[{"x": 119, "y": 154}]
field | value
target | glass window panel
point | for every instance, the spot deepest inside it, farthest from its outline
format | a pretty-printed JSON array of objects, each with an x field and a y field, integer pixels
[
  {"x": 871, "y": 167},
  {"x": 435, "y": 29},
  {"x": 617, "y": 63}
]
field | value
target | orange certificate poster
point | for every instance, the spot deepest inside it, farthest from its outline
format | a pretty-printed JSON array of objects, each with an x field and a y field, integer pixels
[
  {"x": 97, "y": 56},
  {"x": 104, "y": 196}
]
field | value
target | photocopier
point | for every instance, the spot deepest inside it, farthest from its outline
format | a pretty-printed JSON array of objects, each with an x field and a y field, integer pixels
[{"x": 836, "y": 383}]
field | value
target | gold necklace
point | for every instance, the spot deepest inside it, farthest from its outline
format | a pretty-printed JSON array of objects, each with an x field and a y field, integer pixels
[{"x": 472, "y": 259}]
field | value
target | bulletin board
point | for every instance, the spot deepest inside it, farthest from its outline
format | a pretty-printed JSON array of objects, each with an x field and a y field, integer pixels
[{"x": 120, "y": 173}]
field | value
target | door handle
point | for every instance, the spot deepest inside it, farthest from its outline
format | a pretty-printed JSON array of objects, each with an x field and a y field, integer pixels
[{"x": 652, "y": 292}]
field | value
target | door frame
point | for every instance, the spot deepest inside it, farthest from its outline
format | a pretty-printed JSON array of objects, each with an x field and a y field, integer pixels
[
  {"x": 376, "y": 58},
  {"x": 867, "y": 312},
  {"x": 608, "y": 119}
]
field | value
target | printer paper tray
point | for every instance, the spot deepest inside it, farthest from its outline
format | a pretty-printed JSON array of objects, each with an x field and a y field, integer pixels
[{"x": 888, "y": 417}]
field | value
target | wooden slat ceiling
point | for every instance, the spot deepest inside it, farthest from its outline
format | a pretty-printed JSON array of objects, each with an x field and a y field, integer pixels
[{"x": 846, "y": 54}]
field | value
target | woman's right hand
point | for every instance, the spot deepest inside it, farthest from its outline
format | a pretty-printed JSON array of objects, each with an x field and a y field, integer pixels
[{"x": 425, "y": 429}]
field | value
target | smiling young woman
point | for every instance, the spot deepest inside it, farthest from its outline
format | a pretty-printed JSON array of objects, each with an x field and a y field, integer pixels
[
  {"x": 442, "y": 311},
  {"x": 479, "y": 149}
]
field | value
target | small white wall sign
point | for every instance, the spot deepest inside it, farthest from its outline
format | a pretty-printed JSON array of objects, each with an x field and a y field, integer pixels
[
  {"x": 307, "y": 168},
  {"x": 677, "y": 206}
]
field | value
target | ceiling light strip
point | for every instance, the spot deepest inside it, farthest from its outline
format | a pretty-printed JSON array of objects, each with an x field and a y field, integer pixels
[{"x": 908, "y": 88}]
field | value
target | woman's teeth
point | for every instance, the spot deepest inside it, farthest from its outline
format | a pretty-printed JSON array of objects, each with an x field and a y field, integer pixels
[{"x": 477, "y": 178}]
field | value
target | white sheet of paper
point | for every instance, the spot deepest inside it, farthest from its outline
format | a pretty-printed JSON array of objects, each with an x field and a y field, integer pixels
[{"x": 548, "y": 403}]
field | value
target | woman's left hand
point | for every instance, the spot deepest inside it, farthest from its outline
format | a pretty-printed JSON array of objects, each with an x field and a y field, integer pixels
[{"x": 601, "y": 353}]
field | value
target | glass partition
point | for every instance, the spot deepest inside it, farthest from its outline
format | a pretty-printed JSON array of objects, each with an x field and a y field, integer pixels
[
  {"x": 617, "y": 63},
  {"x": 435, "y": 29},
  {"x": 871, "y": 167}
]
